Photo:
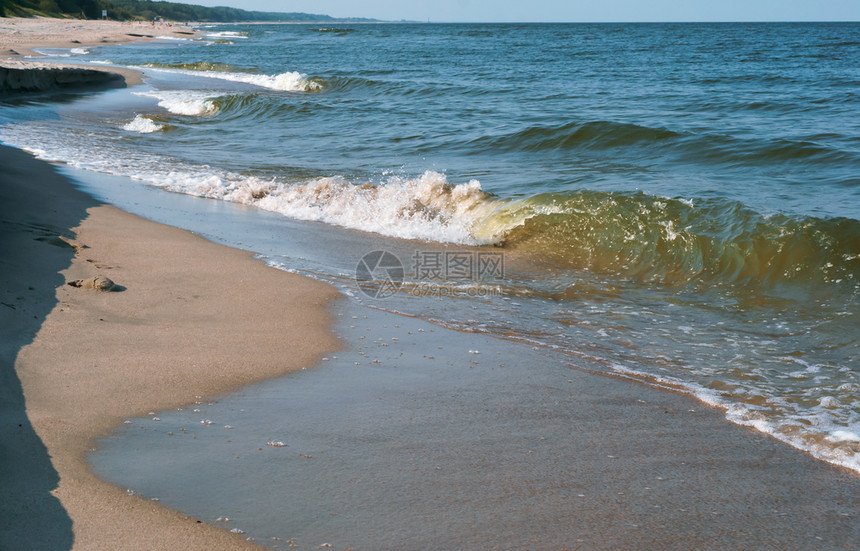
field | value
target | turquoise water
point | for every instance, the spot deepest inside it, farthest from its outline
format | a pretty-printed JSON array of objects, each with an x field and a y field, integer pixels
[{"x": 676, "y": 203}]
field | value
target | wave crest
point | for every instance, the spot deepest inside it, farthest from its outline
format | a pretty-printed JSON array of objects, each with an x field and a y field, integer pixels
[
  {"x": 674, "y": 241},
  {"x": 714, "y": 148},
  {"x": 290, "y": 81},
  {"x": 588, "y": 135},
  {"x": 630, "y": 235},
  {"x": 183, "y": 102},
  {"x": 143, "y": 125},
  {"x": 427, "y": 207}
]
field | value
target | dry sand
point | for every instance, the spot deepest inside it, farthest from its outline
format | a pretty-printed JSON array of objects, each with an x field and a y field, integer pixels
[
  {"x": 19, "y": 36},
  {"x": 190, "y": 318}
]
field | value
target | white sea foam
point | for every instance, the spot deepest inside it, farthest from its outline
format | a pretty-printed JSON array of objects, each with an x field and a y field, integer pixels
[
  {"x": 427, "y": 207},
  {"x": 838, "y": 445},
  {"x": 291, "y": 81},
  {"x": 843, "y": 436},
  {"x": 142, "y": 125},
  {"x": 80, "y": 51},
  {"x": 183, "y": 102},
  {"x": 430, "y": 207}
]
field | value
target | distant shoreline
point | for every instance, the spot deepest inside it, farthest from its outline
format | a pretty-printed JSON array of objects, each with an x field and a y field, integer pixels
[{"x": 19, "y": 36}]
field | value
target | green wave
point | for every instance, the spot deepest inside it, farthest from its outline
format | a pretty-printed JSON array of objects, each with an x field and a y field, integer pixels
[
  {"x": 202, "y": 66},
  {"x": 673, "y": 241}
]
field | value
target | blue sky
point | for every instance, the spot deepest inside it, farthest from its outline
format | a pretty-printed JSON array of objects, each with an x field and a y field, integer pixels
[{"x": 564, "y": 10}]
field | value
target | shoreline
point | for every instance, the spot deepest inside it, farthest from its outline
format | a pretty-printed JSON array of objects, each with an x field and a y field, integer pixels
[
  {"x": 21, "y": 71},
  {"x": 20, "y": 36},
  {"x": 72, "y": 339},
  {"x": 107, "y": 240},
  {"x": 508, "y": 450},
  {"x": 197, "y": 301}
]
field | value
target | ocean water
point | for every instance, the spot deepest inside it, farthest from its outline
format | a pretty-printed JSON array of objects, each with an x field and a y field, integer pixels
[{"x": 678, "y": 204}]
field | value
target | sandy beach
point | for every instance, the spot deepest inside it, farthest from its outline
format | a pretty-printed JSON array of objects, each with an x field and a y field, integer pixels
[
  {"x": 20, "y": 36},
  {"x": 188, "y": 324}
]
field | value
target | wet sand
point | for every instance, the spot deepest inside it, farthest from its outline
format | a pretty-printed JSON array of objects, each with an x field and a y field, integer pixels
[
  {"x": 406, "y": 440},
  {"x": 189, "y": 318}
]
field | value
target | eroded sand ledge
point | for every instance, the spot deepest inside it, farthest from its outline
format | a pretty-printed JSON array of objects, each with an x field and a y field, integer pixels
[
  {"x": 40, "y": 79},
  {"x": 192, "y": 319}
]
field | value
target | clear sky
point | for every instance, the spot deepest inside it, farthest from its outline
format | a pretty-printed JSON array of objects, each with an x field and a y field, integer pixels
[{"x": 563, "y": 10}]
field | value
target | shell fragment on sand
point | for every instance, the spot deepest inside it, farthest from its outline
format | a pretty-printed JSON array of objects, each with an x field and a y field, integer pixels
[{"x": 97, "y": 283}]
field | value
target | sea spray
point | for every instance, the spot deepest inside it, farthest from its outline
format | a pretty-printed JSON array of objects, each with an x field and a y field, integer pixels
[
  {"x": 142, "y": 125},
  {"x": 290, "y": 81},
  {"x": 183, "y": 102}
]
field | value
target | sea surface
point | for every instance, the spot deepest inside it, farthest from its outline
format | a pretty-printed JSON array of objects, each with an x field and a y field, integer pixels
[{"x": 678, "y": 204}]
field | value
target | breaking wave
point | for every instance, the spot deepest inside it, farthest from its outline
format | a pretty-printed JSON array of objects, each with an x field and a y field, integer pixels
[
  {"x": 143, "y": 125},
  {"x": 677, "y": 241},
  {"x": 183, "y": 102},
  {"x": 291, "y": 81},
  {"x": 630, "y": 235},
  {"x": 427, "y": 207}
]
